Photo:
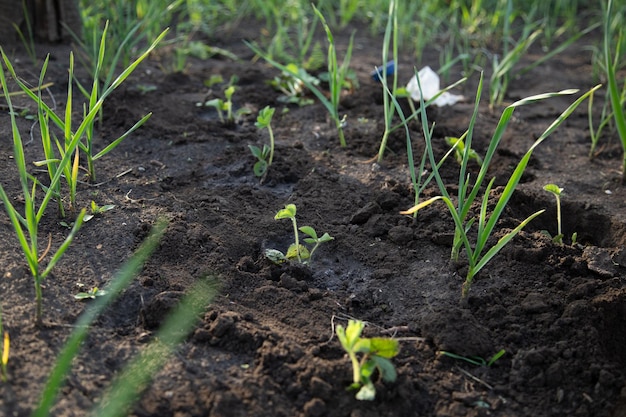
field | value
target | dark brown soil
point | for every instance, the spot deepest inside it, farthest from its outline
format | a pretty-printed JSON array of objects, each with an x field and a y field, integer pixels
[{"x": 265, "y": 346}]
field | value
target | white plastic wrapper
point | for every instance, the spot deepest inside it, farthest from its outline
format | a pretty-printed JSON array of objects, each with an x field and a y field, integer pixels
[{"x": 430, "y": 87}]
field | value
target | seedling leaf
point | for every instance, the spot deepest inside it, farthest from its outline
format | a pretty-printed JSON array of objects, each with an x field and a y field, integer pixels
[
  {"x": 495, "y": 357},
  {"x": 363, "y": 345},
  {"x": 553, "y": 188},
  {"x": 260, "y": 168},
  {"x": 275, "y": 256},
  {"x": 292, "y": 252},
  {"x": 289, "y": 212},
  {"x": 385, "y": 347},
  {"x": 325, "y": 238},
  {"x": 386, "y": 368},
  {"x": 353, "y": 333},
  {"x": 308, "y": 230}
]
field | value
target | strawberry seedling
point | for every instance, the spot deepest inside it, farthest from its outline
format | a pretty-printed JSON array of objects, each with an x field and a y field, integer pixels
[
  {"x": 297, "y": 250},
  {"x": 376, "y": 352},
  {"x": 264, "y": 155}
]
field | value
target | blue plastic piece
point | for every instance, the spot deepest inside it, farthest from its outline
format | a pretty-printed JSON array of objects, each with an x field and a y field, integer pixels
[{"x": 389, "y": 68}]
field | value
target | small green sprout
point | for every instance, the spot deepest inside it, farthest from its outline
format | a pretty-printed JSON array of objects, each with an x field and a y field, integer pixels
[
  {"x": 214, "y": 79},
  {"x": 264, "y": 155},
  {"x": 475, "y": 360},
  {"x": 313, "y": 239},
  {"x": 224, "y": 107},
  {"x": 556, "y": 191},
  {"x": 146, "y": 88},
  {"x": 297, "y": 250},
  {"x": 96, "y": 209},
  {"x": 90, "y": 294},
  {"x": 376, "y": 354},
  {"x": 293, "y": 88}
]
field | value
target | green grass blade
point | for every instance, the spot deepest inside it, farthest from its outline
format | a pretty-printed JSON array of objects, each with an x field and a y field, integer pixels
[
  {"x": 614, "y": 92},
  {"x": 392, "y": 21},
  {"x": 521, "y": 167},
  {"x": 73, "y": 344},
  {"x": 464, "y": 201},
  {"x": 68, "y": 105},
  {"x": 117, "y": 141},
  {"x": 135, "y": 377},
  {"x": 14, "y": 216},
  {"x": 66, "y": 243},
  {"x": 500, "y": 244},
  {"x": 300, "y": 75}
]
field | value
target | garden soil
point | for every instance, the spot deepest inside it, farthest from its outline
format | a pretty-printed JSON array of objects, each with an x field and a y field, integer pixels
[{"x": 265, "y": 345}]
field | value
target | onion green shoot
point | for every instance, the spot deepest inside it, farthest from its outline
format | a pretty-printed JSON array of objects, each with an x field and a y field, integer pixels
[
  {"x": 86, "y": 126},
  {"x": 388, "y": 105},
  {"x": 478, "y": 254},
  {"x": 26, "y": 226},
  {"x": 503, "y": 69},
  {"x": 74, "y": 342},
  {"x": 338, "y": 74},
  {"x": 615, "y": 95},
  {"x": 128, "y": 385},
  {"x": 376, "y": 354},
  {"x": 29, "y": 44},
  {"x": 596, "y": 132}
]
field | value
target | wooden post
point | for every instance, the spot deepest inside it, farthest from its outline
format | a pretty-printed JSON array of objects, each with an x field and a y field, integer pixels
[{"x": 47, "y": 18}]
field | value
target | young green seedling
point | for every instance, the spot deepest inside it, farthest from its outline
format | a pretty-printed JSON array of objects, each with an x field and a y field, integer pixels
[
  {"x": 262, "y": 155},
  {"x": 292, "y": 87},
  {"x": 479, "y": 254},
  {"x": 221, "y": 105},
  {"x": 265, "y": 155},
  {"x": 26, "y": 226},
  {"x": 90, "y": 294},
  {"x": 337, "y": 76},
  {"x": 296, "y": 250},
  {"x": 556, "y": 191},
  {"x": 475, "y": 360},
  {"x": 615, "y": 94},
  {"x": 376, "y": 353},
  {"x": 289, "y": 212},
  {"x": 313, "y": 239},
  {"x": 96, "y": 210}
]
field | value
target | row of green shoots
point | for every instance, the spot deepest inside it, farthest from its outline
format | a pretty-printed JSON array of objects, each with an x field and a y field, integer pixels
[{"x": 471, "y": 190}]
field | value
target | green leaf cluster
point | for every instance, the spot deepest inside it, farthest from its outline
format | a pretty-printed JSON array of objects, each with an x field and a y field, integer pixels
[
  {"x": 264, "y": 155},
  {"x": 296, "y": 250},
  {"x": 375, "y": 354},
  {"x": 480, "y": 252}
]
